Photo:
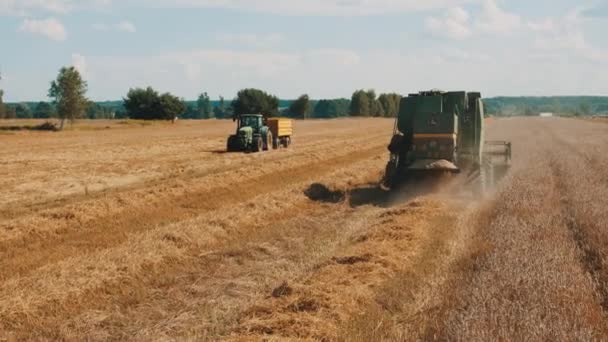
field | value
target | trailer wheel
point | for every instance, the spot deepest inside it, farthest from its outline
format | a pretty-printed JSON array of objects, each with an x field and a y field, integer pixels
[
  {"x": 275, "y": 143},
  {"x": 286, "y": 142}
]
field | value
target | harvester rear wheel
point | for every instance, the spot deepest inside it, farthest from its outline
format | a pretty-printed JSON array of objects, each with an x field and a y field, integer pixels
[{"x": 390, "y": 174}]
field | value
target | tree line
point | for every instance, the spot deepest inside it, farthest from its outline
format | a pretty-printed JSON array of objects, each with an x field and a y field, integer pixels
[
  {"x": 68, "y": 92},
  {"x": 558, "y": 105}
]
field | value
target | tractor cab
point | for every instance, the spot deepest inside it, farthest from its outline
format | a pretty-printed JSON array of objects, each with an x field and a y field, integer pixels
[{"x": 255, "y": 121}]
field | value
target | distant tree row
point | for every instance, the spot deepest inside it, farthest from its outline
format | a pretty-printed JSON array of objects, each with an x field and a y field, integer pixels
[
  {"x": 68, "y": 92},
  {"x": 2, "y": 106},
  {"x": 558, "y": 105},
  {"x": 365, "y": 103},
  {"x": 43, "y": 110}
]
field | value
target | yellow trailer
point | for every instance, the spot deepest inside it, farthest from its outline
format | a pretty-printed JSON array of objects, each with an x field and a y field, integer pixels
[{"x": 282, "y": 130}]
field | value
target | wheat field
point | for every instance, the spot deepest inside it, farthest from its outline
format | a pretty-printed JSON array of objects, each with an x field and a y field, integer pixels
[{"x": 151, "y": 232}]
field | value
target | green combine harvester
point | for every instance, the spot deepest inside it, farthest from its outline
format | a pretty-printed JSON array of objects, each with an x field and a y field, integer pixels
[{"x": 443, "y": 132}]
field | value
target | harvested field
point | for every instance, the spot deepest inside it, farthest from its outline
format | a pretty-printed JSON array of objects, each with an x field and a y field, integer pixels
[{"x": 125, "y": 231}]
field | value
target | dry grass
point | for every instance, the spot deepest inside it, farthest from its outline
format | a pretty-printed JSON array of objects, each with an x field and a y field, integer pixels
[
  {"x": 530, "y": 266},
  {"x": 76, "y": 265},
  {"x": 152, "y": 233}
]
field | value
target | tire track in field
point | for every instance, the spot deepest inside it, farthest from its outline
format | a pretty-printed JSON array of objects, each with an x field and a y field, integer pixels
[
  {"x": 35, "y": 251},
  {"x": 204, "y": 286},
  {"x": 592, "y": 259},
  {"x": 16, "y": 209}
]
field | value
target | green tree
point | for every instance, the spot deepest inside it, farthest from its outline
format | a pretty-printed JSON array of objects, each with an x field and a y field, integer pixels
[
  {"x": 255, "y": 101},
  {"x": 191, "y": 111},
  {"x": 147, "y": 104},
  {"x": 69, "y": 93},
  {"x": 23, "y": 111},
  {"x": 11, "y": 112},
  {"x": 142, "y": 104},
  {"x": 360, "y": 103},
  {"x": 375, "y": 109},
  {"x": 97, "y": 111},
  {"x": 325, "y": 109},
  {"x": 171, "y": 106},
  {"x": 2, "y": 106},
  {"x": 43, "y": 110},
  {"x": 69, "y": 90},
  {"x": 219, "y": 111},
  {"x": 204, "y": 110},
  {"x": 301, "y": 107},
  {"x": 556, "y": 106},
  {"x": 390, "y": 104},
  {"x": 584, "y": 109},
  {"x": 528, "y": 111}
]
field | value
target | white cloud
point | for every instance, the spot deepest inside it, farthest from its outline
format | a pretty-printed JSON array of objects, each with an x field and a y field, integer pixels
[
  {"x": 249, "y": 39},
  {"x": 223, "y": 71},
  {"x": 123, "y": 26},
  {"x": 543, "y": 25},
  {"x": 14, "y": 7},
  {"x": 281, "y": 7},
  {"x": 80, "y": 63},
  {"x": 565, "y": 37},
  {"x": 494, "y": 19},
  {"x": 50, "y": 28},
  {"x": 27, "y": 7},
  {"x": 454, "y": 24},
  {"x": 100, "y": 27},
  {"x": 314, "y": 7},
  {"x": 338, "y": 58},
  {"x": 257, "y": 64},
  {"x": 126, "y": 26}
]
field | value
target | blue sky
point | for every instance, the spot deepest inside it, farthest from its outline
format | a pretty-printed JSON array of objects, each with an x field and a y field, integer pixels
[{"x": 326, "y": 48}]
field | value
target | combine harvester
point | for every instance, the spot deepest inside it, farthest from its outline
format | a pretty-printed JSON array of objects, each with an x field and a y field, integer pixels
[{"x": 443, "y": 132}]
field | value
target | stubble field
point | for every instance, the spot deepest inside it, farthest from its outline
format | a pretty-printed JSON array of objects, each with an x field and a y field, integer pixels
[{"x": 118, "y": 231}]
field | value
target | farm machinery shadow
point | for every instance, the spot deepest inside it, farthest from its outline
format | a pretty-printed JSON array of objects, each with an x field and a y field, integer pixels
[{"x": 367, "y": 194}]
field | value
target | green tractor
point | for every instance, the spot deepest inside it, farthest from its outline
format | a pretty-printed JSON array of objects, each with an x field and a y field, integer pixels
[
  {"x": 252, "y": 134},
  {"x": 443, "y": 132}
]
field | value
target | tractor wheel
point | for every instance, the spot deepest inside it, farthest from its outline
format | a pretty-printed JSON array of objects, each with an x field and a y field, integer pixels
[
  {"x": 268, "y": 141},
  {"x": 230, "y": 145},
  {"x": 258, "y": 145}
]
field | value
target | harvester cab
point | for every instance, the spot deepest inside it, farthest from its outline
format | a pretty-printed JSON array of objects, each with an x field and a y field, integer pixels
[{"x": 442, "y": 132}]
